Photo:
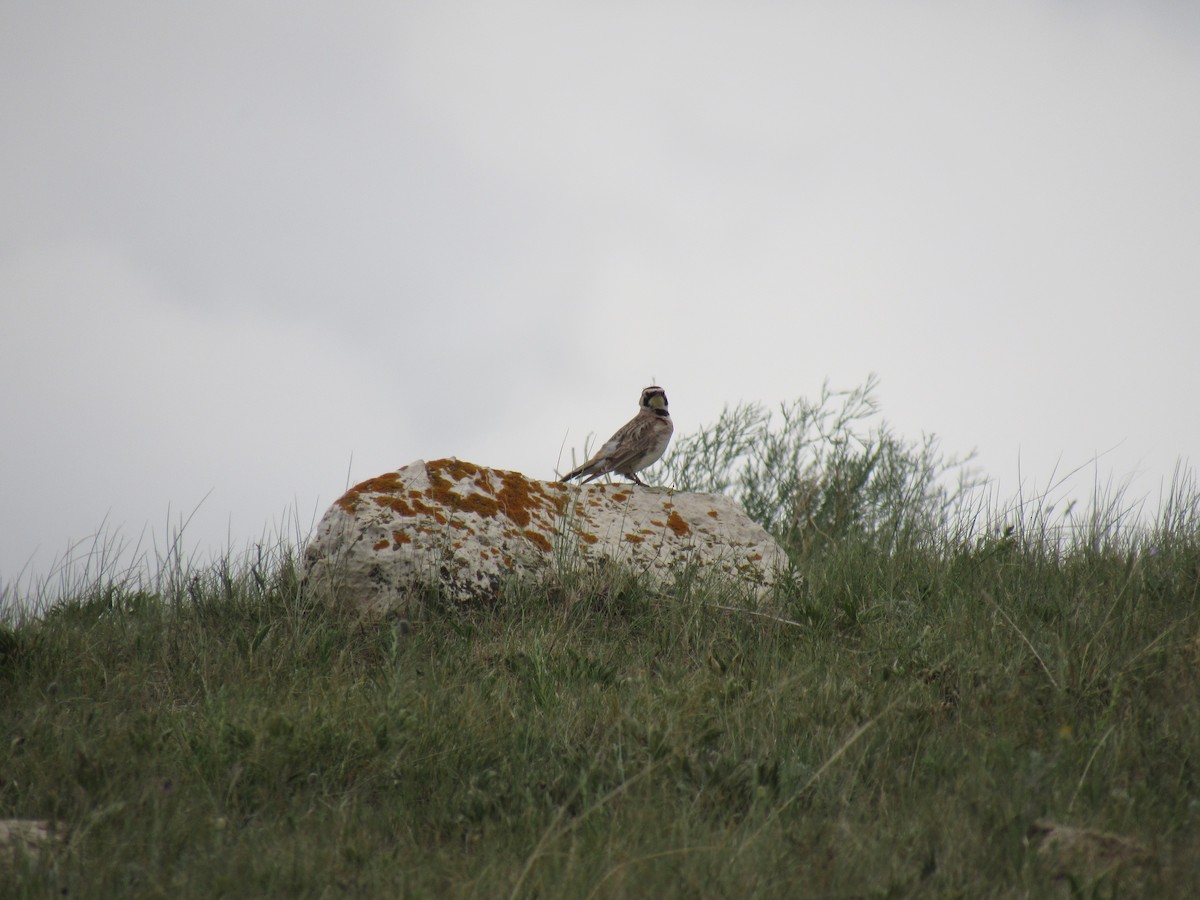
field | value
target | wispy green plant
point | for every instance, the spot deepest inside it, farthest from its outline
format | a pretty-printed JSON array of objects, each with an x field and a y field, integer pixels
[{"x": 812, "y": 472}]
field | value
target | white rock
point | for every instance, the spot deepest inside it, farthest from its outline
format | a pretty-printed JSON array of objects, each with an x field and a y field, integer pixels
[
  {"x": 28, "y": 837},
  {"x": 464, "y": 529}
]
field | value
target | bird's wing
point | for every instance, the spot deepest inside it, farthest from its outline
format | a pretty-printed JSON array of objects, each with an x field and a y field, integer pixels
[
  {"x": 630, "y": 443},
  {"x": 599, "y": 463}
]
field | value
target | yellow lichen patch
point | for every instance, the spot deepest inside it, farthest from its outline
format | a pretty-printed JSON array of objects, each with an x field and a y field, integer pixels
[
  {"x": 400, "y": 537},
  {"x": 381, "y": 545},
  {"x": 634, "y": 538},
  {"x": 538, "y": 539},
  {"x": 676, "y": 523}
]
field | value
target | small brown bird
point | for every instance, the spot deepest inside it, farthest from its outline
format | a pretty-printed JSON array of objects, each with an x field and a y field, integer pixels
[{"x": 639, "y": 443}]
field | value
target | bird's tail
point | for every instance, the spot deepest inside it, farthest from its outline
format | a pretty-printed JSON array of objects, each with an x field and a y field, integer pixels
[{"x": 582, "y": 470}]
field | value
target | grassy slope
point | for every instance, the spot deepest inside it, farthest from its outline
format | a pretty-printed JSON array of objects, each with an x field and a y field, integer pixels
[{"x": 910, "y": 731}]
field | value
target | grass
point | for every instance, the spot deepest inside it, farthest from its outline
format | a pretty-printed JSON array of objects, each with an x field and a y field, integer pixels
[
  {"x": 906, "y": 735},
  {"x": 1000, "y": 716}
]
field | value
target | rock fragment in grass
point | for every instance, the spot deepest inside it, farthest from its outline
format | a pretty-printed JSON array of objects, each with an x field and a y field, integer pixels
[{"x": 28, "y": 837}]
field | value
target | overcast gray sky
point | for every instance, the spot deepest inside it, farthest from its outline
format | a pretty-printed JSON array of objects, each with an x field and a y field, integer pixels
[{"x": 248, "y": 250}]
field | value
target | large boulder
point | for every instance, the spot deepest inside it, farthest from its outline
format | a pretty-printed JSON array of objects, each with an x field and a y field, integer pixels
[{"x": 463, "y": 529}]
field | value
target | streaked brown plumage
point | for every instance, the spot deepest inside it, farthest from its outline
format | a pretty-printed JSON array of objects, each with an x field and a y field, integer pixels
[{"x": 639, "y": 443}]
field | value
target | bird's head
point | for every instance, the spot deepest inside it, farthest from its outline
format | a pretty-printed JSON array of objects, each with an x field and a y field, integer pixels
[{"x": 654, "y": 398}]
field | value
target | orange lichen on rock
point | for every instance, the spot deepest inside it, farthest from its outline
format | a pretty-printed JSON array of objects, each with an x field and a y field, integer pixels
[
  {"x": 458, "y": 469},
  {"x": 517, "y": 496},
  {"x": 381, "y": 545},
  {"x": 382, "y": 484},
  {"x": 400, "y": 537},
  {"x": 442, "y": 493},
  {"x": 389, "y": 481},
  {"x": 713, "y": 513},
  {"x": 421, "y": 507},
  {"x": 634, "y": 538},
  {"x": 538, "y": 540},
  {"x": 676, "y": 523},
  {"x": 479, "y": 504},
  {"x": 518, "y": 499},
  {"x": 589, "y": 538},
  {"x": 394, "y": 503}
]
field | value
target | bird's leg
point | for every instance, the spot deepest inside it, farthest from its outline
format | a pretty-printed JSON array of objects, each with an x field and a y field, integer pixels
[{"x": 636, "y": 480}]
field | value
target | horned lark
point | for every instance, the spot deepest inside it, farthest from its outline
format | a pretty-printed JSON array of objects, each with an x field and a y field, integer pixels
[{"x": 639, "y": 443}]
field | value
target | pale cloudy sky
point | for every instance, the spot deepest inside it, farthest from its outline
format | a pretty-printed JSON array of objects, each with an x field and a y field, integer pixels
[{"x": 249, "y": 250}]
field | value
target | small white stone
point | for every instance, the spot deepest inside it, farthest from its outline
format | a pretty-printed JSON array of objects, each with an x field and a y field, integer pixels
[{"x": 28, "y": 837}]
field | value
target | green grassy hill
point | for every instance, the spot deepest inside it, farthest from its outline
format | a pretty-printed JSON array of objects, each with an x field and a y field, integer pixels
[{"x": 939, "y": 709}]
